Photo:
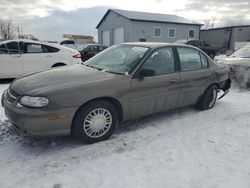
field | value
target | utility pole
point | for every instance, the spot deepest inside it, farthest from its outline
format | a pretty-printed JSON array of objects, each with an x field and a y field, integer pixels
[
  {"x": 18, "y": 31},
  {"x": 21, "y": 31}
]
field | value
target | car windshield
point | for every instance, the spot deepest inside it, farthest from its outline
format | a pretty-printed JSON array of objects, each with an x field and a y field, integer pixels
[
  {"x": 118, "y": 59},
  {"x": 243, "y": 52}
]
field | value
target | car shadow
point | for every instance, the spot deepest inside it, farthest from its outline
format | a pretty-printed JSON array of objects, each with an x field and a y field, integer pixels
[{"x": 45, "y": 145}]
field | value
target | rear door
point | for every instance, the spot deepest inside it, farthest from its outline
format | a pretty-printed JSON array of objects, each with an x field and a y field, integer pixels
[
  {"x": 38, "y": 57},
  {"x": 10, "y": 64},
  {"x": 156, "y": 93},
  {"x": 195, "y": 75}
]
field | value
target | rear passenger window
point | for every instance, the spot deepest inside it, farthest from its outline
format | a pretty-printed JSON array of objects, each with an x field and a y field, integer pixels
[
  {"x": 189, "y": 58},
  {"x": 34, "y": 48},
  {"x": 204, "y": 61},
  {"x": 49, "y": 49},
  {"x": 161, "y": 61}
]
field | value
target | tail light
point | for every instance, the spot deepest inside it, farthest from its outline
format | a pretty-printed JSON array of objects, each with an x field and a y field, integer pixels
[{"x": 77, "y": 56}]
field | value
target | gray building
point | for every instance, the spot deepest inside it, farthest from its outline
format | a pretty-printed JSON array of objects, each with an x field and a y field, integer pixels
[
  {"x": 119, "y": 26},
  {"x": 226, "y": 37}
]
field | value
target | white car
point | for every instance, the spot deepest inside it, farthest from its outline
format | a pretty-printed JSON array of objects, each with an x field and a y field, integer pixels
[{"x": 18, "y": 57}]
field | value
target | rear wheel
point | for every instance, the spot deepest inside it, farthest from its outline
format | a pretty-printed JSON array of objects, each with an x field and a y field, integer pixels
[
  {"x": 96, "y": 121},
  {"x": 209, "y": 98}
]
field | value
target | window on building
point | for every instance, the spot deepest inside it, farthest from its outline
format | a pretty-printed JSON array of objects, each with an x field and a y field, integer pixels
[
  {"x": 191, "y": 33},
  {"x": 171, "y": 32},
  {"x": 157, "y": 31},
  {"x": 142, "y": 40}
]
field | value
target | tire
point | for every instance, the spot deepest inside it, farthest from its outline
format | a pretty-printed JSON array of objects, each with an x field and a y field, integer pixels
[
  {"x": 208, "y": 99},
  {"x": 88, "y": 125}
]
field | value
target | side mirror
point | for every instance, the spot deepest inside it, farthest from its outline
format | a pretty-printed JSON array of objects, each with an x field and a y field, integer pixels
[{"x": 147, "y": 72}]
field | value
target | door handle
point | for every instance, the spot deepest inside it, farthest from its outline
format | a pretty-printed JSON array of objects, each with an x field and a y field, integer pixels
[
  {"x": 49, "y": 56},
  {"x": 173, "y": 81}
]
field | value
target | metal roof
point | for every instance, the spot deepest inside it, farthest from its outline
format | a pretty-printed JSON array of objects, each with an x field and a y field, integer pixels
[
  {"x": 150, "y": 17},
  {"x": 227, "y": 27}
]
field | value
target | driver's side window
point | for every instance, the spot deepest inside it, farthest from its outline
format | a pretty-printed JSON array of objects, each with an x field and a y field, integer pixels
[
  {"x": 10, "y": 48},
  {"x": 3, "y": 49},
  {"x": 161, "y": 61}
]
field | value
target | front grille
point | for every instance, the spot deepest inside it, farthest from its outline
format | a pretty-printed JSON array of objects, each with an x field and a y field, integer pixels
[{"x": 11, "y": 95}]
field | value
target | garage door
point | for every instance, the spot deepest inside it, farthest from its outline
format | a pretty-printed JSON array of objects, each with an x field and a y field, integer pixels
[
  {"x": 118, "y": 35},
  {"x": 106, "y": 38}
]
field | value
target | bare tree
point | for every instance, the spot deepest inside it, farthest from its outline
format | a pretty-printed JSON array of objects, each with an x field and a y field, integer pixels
[
  {"x": 7, "y": 29},
  {"x": 209, "y": 23},
  {"x": 236, "y": 21}
]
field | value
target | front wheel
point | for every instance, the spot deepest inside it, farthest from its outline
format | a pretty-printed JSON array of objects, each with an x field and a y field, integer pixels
[
  {"x": 96, "y": 121},
  {"x": 209, "y": 98}
]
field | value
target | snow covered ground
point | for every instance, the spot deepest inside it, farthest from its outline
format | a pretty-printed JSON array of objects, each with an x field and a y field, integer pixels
[{"x": 186, "y": 148}]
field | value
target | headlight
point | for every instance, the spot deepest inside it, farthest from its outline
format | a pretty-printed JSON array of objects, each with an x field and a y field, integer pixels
[{"x": 35, "y": 102}]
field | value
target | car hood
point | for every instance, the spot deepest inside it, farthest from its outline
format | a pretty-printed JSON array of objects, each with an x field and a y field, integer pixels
[
  {"x": 237, "y": 61},
  {"x": 58, "y": 78}
]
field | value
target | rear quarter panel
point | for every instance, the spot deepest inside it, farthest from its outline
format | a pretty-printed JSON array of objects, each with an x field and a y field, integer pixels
[{"x": 221, "y": 72}]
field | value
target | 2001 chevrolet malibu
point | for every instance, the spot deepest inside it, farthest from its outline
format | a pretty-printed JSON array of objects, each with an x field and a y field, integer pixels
[{"x": 122, "y": 83}]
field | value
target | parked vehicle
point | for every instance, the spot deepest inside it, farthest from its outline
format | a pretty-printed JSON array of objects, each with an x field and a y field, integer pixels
[
  {"x": 239, "y": 62},
  {"x": 18, "y": 57},
  {"x": 122, "y": 83},
  {"x": 68, "y": 42},
  {"x": 210, "y": 51},
  {"x": 89, "y": 50}
]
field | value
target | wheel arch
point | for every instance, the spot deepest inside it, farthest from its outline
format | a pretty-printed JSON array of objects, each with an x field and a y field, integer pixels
[
  {"x": 117, "y": 104},
  {"x": 200, "y": 97},
  {"x": 58, "y": 64}
]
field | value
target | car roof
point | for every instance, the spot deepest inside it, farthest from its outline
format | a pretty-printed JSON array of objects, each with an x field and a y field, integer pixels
[
  {"x": 39, "y": 42},
  {"x": 155, "y": 44},
  {"x": 94, "y": 45},
  {"x": 25, "y": 40}
]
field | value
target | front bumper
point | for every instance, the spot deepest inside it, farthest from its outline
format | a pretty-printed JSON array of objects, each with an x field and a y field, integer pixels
[{"x": 39, "y": 122}]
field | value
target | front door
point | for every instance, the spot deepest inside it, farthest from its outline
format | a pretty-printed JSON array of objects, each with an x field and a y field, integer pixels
[
  {"x": 152, "y": 94},
  {"x": 10, "y": 64}
]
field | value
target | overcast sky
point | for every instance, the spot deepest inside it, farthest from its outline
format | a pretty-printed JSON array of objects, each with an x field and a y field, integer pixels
[{"x": 49, "y": 19}]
